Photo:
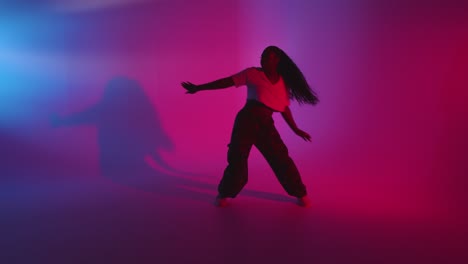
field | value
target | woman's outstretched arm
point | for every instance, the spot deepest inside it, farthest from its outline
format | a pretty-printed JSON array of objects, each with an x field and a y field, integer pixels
[
  {"x": 287, "y": 115},
  {"x": 218, "y": 84}
]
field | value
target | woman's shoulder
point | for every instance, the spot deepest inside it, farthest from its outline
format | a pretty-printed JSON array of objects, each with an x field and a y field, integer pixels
[{"x": 253, "y": 70}]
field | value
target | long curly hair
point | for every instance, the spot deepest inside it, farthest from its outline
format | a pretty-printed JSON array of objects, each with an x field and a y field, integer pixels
[{"x": 298, "y": 88}]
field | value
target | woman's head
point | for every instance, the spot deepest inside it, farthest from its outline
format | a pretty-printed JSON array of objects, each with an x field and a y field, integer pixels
[
  {"x": 270, "y": 59},
  {"x": 275, "y": 59}
]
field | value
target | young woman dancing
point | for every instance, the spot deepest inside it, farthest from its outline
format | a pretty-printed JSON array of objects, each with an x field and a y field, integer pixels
[{"x": 269, "y": 90}]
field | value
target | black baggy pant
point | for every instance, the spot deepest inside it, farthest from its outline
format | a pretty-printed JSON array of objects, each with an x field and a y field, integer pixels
[{"x": 254, "y": 126}]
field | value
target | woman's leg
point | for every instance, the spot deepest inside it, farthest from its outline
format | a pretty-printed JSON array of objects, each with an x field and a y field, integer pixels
[
  {"x": 274, "y": 150},
  {"x": 242, "y": 138}
]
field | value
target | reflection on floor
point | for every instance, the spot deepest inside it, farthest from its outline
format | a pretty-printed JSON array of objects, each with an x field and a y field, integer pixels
[{"x": 99, "y": 220}]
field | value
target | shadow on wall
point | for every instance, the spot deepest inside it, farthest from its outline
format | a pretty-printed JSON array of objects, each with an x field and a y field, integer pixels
[
  {"x": 129, "y": 136},
  {"x": 127, "y": 126}
]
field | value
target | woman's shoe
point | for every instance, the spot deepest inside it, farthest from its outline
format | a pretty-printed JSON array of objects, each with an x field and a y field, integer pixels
[
  {"x": 221, "y": 201},
  {"x": 303, "y": 201}
]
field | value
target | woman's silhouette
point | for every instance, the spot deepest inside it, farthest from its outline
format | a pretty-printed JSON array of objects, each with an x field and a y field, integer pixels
[
  {"x": 269, "y": 89},
  {"x": 128, "y": 130}
]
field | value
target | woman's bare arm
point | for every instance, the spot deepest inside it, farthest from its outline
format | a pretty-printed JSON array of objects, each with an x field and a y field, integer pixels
[
  {"x": 218, "y": 84},
  {"x": 287, "y": 115}
]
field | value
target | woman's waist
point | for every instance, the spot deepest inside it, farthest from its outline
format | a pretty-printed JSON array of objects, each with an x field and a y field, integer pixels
[{"x": 259, "y": 106}]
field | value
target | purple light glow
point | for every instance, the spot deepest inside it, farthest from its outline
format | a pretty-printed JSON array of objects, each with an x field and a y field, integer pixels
[{"x": 385, "y": 170}]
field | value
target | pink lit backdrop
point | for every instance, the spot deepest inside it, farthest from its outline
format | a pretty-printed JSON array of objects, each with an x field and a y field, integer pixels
[{"x": 388, "y": 137}]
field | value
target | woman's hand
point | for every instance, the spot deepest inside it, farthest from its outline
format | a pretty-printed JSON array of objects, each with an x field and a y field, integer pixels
[
  {"x": 190, "y": 87},
  {"x": 302, "y": 134}
]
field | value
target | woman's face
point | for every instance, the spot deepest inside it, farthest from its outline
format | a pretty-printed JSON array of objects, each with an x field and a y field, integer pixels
[{"x": 269, "y": 60}]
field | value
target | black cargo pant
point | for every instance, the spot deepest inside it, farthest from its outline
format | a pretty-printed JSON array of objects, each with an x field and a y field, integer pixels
[{"x": 254, "y": 126}]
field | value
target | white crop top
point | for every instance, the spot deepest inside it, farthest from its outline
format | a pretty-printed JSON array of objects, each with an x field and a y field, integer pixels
[{"x": 260, "y": 88}]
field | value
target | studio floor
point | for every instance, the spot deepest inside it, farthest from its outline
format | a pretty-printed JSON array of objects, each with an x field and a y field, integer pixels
[{"x": 97, "y": 220}]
